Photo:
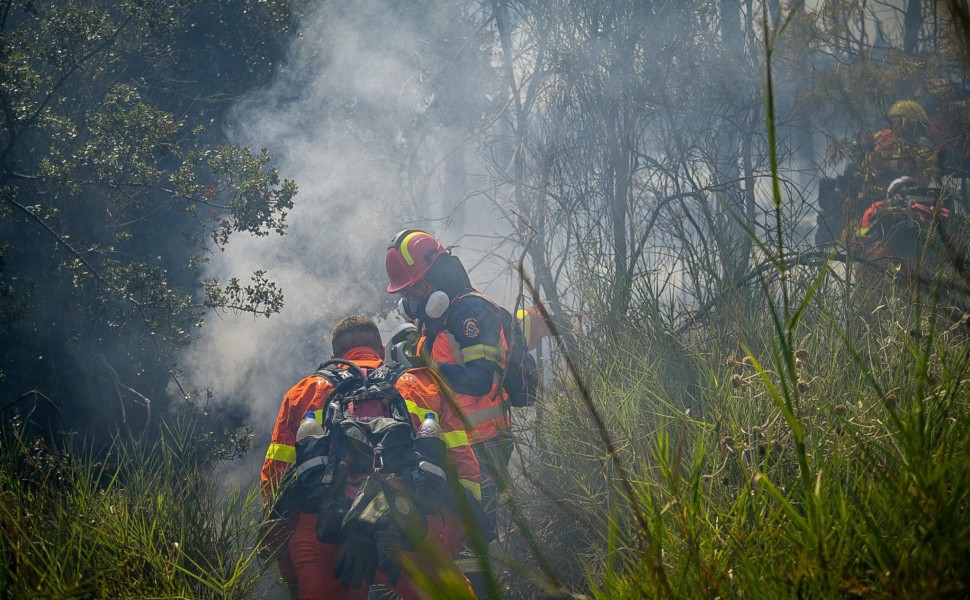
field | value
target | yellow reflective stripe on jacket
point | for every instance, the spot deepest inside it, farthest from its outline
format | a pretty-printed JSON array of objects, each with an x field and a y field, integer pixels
[
  {"x": 452, "y": 439},
  {"x": 478, "y": 351},
  {"x": 420, "y": 411},
  {"x": 471, "y": 486},
  {"x": 454, "y": 347},
  {"x": 282, "y": 453},
  {"x": 469, "y": 566}
]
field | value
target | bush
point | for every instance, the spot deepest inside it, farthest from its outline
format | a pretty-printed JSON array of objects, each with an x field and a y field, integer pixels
[{"x": 133, "y": 521}]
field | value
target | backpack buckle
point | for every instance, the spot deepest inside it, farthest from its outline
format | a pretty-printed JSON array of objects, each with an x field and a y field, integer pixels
[{"x": 378, "y": 462}]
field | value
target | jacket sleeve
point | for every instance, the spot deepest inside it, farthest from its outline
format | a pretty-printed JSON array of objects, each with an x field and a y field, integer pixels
[
  {"x": 476, "y": 327},
  {"x": 422, "y": 393},
  {"x": 309, "y": 394}
]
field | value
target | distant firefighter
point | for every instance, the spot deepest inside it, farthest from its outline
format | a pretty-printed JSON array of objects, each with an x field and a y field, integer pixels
[
  {"x": 893, "y": 232},
  {"x": 533, "y": 325},
  {"x": 903, "y": 149}
]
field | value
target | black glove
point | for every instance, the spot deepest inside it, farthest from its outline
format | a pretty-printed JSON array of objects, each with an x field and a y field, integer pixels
[
  {"x": 388, "y": 543},
  {"x": 357, "y": 561}
]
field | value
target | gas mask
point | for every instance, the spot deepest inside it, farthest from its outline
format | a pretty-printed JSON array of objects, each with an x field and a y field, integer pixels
[{"x": 431, "y": 308}]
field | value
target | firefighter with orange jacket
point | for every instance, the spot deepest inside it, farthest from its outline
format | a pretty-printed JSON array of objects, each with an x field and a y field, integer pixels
[
  {"x": 461, "y": 337},
  {"x": 893, "y": 231},
  {"x": 903, "y": 149},
  {"x": 305, "y": 562}
]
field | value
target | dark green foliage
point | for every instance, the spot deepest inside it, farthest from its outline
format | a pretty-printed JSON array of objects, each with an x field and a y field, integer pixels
[{"x": 115, "y": 183}]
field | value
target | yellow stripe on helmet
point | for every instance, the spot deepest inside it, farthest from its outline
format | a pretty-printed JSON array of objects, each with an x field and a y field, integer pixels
[{"x": 404, "y": 247}]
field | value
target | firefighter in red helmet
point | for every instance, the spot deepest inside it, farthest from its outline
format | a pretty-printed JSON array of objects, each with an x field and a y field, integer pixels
[{"x": 463, "y": 340}]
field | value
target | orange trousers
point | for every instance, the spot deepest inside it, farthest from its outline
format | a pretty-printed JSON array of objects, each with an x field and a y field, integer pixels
[{"x": 312, "y": 562}]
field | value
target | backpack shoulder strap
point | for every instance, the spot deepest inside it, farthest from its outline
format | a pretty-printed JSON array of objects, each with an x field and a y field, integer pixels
[
  {"x": 345, "y": 377},
  {"x": 389, "y": 372},
  {"x": 386, "y": 376},
  {"x": 342, "y": 375},
  {"x": 476, "y": 294}
]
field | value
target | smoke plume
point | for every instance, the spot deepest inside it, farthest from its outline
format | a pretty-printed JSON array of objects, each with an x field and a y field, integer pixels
[{"x": 347, "y": 119}]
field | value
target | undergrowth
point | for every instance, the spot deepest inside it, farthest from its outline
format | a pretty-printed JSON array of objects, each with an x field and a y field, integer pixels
[{"x": 135, "y": 521}]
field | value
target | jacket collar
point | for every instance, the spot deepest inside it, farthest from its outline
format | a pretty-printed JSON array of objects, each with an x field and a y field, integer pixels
[{"x": 363, "y": 356}]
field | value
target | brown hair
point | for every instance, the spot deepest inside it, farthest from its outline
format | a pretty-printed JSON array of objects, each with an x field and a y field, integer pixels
[{"x": 353, "y": 331}]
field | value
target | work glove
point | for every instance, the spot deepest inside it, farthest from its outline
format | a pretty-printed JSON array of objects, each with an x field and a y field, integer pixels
[
  {"x": 389, "y": 550},
  {"x": 357, "y": 561}
]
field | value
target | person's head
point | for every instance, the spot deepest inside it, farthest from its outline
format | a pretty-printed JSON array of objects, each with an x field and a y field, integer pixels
[
  {"x": 425, "y": 273},
  {"x": 908, "y": 118},
  {"x": 355, "y": 331},
  {"x": 409, "y": 258}
]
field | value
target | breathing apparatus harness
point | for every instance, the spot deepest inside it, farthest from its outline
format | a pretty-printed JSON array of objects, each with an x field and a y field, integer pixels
[{"x": 403, "y": 477}]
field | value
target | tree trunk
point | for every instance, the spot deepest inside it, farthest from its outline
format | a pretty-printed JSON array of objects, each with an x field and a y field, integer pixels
[{"x": 912, "y": 23}]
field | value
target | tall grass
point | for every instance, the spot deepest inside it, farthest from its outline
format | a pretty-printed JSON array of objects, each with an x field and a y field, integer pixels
[
  {"x": 816, "y": 464},
  {"x": 794, "y": 445},
  {"x": 787, "y": 444},
  {"x": 133, "y": 522}
]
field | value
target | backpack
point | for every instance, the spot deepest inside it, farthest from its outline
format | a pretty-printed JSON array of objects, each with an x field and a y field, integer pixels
[
  {"x": 521, "y": 377},
  {"x": 349, "y": 447}
]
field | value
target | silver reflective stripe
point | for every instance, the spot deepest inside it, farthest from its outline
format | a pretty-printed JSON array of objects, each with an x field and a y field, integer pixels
[
  {"x": 455, "y": 349},
  {"x": 432, "y": 469},
  {"x": 469, "y": 565},
  {"x": 494, "y": 412},
  {"x": 317, "y": 460},
  {"x": 481, "y": 351}
]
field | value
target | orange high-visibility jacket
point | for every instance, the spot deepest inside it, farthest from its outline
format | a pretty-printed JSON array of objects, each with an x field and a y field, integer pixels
[
  {"x": 894, "y": 156},
  {"x": 473, "y": 334},
  {"x": 421, "y": 393}
]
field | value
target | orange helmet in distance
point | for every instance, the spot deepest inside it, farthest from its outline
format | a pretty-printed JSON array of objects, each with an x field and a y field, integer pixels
[{"x": 409, "y": 258}]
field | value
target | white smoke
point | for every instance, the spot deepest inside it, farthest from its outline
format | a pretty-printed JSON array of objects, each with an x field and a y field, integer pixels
[{"x": 340, "y": 119}]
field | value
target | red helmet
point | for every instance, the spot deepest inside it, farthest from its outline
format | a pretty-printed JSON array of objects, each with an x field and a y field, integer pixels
[{"x": 409, "y": 258}]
